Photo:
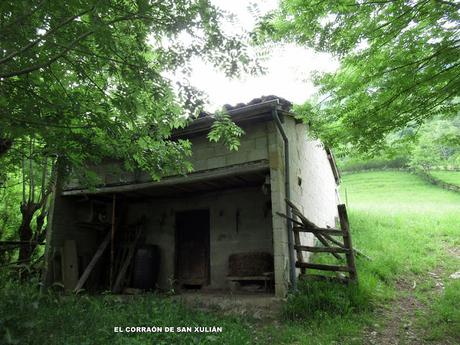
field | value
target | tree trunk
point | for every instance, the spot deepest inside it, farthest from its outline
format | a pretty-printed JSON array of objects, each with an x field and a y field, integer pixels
[{"x": 25, "y": 230}]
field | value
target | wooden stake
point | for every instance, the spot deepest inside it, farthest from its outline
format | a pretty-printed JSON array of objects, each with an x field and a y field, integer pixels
[
  {"x": 112, "y": 242},
  {"x": 344, "y": 224},
  {"x": 93, "y": 262}
]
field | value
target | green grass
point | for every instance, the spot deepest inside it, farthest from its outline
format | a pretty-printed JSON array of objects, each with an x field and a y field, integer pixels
[
  {"x": 28, "y": 317},
  {"x": 451, "y": 177},
  {"x": 406, "y": 225}
]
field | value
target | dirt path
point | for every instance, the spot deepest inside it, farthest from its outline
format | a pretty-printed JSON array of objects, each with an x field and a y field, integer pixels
[{"x": 398, "y": 321}]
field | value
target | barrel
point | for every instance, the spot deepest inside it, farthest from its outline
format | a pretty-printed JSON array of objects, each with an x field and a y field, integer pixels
[{"x": 146, "y": 267}]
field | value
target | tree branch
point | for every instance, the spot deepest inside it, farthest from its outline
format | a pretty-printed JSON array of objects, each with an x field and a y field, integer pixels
[
  {"x": 46, "y": 34},
  {"x": 68, "y": 47},
  {"x": 46, "y": 63}
]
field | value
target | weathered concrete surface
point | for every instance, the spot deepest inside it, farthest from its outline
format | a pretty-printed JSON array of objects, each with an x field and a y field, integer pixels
[
  {"x": 256, "y": 305},
  {"x": 252, "y": 234},
  {"x": 313, "y": 189},
  {"x": 205, "y": 155}
]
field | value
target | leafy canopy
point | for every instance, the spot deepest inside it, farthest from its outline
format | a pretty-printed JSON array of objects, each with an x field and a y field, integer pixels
[
  {"x": 400, "y": 63},
  {"x": 84, "y": 79}
]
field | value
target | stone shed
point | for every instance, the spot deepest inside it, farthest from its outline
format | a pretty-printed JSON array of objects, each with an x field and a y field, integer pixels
[{"x": 215, "y": 229}]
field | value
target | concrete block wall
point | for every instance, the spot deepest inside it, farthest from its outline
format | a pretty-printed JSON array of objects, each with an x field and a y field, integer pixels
[
  {"x": 210, "y": 155},
  {"x": 253, "y": 233},
  {"x": 278, "y": 195},
  {"x": 205, "y": 155}
]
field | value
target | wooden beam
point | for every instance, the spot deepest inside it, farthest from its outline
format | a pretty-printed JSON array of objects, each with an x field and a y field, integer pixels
[
  {"x": 291, "y": 219},
  {"x": 323, "y": 267},
  {"x": 318, "y": 277},
  {"x": 17, "y": 243},
  {"x": 201, "y": 176},
  {"x": 112, "y": 240},
  {"x": 124, "y": 268},
  {"x": 298, "y": 244},
  {"x": 322, "y": 249},
  {"x": 326, "y": 244},
  {"x": 299, "y": 214},
  {"x": 93, "y": 262},
  {"x": 70, "y": 264},
  {"x": 330, "y": 232}
]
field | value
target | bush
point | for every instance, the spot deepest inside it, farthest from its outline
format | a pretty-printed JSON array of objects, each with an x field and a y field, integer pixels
[{"x": 358, "y": 164}]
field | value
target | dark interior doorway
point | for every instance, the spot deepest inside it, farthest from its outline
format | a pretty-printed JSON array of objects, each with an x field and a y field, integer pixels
[{"x": 192, "y": 248}]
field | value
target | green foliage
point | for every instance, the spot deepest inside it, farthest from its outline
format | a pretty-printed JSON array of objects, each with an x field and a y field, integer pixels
[
  {"x": 28, "y": 317},
  {"x": 438, "y": 146},
  {"x": 354, "y": 164},
  {"x": 399, "y": 63},
  {"x": 319, "y": 300},
  {"x": 10, "y": 217},
  {"x": 434, "y": 145},
  {"x": 86, "y": 80},
  {"x": 224, "y": 129}
]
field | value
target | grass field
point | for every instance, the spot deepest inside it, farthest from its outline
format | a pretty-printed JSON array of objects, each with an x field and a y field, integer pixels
[
  {"x": 451, "y": 177},
  {"x": 408, "y": 227},
  {"x": 411, "y": 229}
]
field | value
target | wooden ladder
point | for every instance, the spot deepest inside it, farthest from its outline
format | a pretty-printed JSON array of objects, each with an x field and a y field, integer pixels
[{"x": 330, "y": 245}]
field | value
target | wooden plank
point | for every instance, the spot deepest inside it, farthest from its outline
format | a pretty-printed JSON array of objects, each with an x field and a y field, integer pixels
[
  {"x": 323, "y": 267},
  {"x": 345, "y": 225},
  {"x": 124, "y": 268},
  {"x": 334, "y": 168},
  {"x": 299, "y": 214},
  {"x": 330, "y": 232},
  {"x": 250, "y": 278},
  {"x": 69, "y": 264},
  {"x": 21, "y": 242},
  {"x": 112, "y": 241},
  {"x": 333, "y": 240},
  {"x": 355, "y": 250},
  {"x": 322, "y": 249},
  {"x": 93, "y": 262},
  {"x": 318, "y": 277},
  {"x": 238, "y": 169},
  {"x": 291, "y": 219},
  {"x": 299, "y": 253},
  {"x": 311, "y": 225},
  {"x": 326, "y": 244}
]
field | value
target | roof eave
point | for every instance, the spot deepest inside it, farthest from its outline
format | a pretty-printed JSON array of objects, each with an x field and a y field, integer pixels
[{"x": 243, "y": 115}]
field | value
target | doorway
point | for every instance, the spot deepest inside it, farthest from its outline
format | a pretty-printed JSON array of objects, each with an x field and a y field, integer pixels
[{"x": 192, "y": 248}]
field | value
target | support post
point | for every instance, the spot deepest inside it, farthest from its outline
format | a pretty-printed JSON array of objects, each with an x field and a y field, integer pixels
[{"x": 345, "y": 225}]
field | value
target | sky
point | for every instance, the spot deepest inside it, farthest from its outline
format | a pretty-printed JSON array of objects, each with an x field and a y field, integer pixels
[{"x": 288, "y": 69}]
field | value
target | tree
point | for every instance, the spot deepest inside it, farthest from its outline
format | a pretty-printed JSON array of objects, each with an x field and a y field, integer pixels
[
  {"x": 85, "y": 77},
  {"x": 437, "y": 146},
  {"x": 400, "y": 63},
  {"x": 83, "y": 80}
]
